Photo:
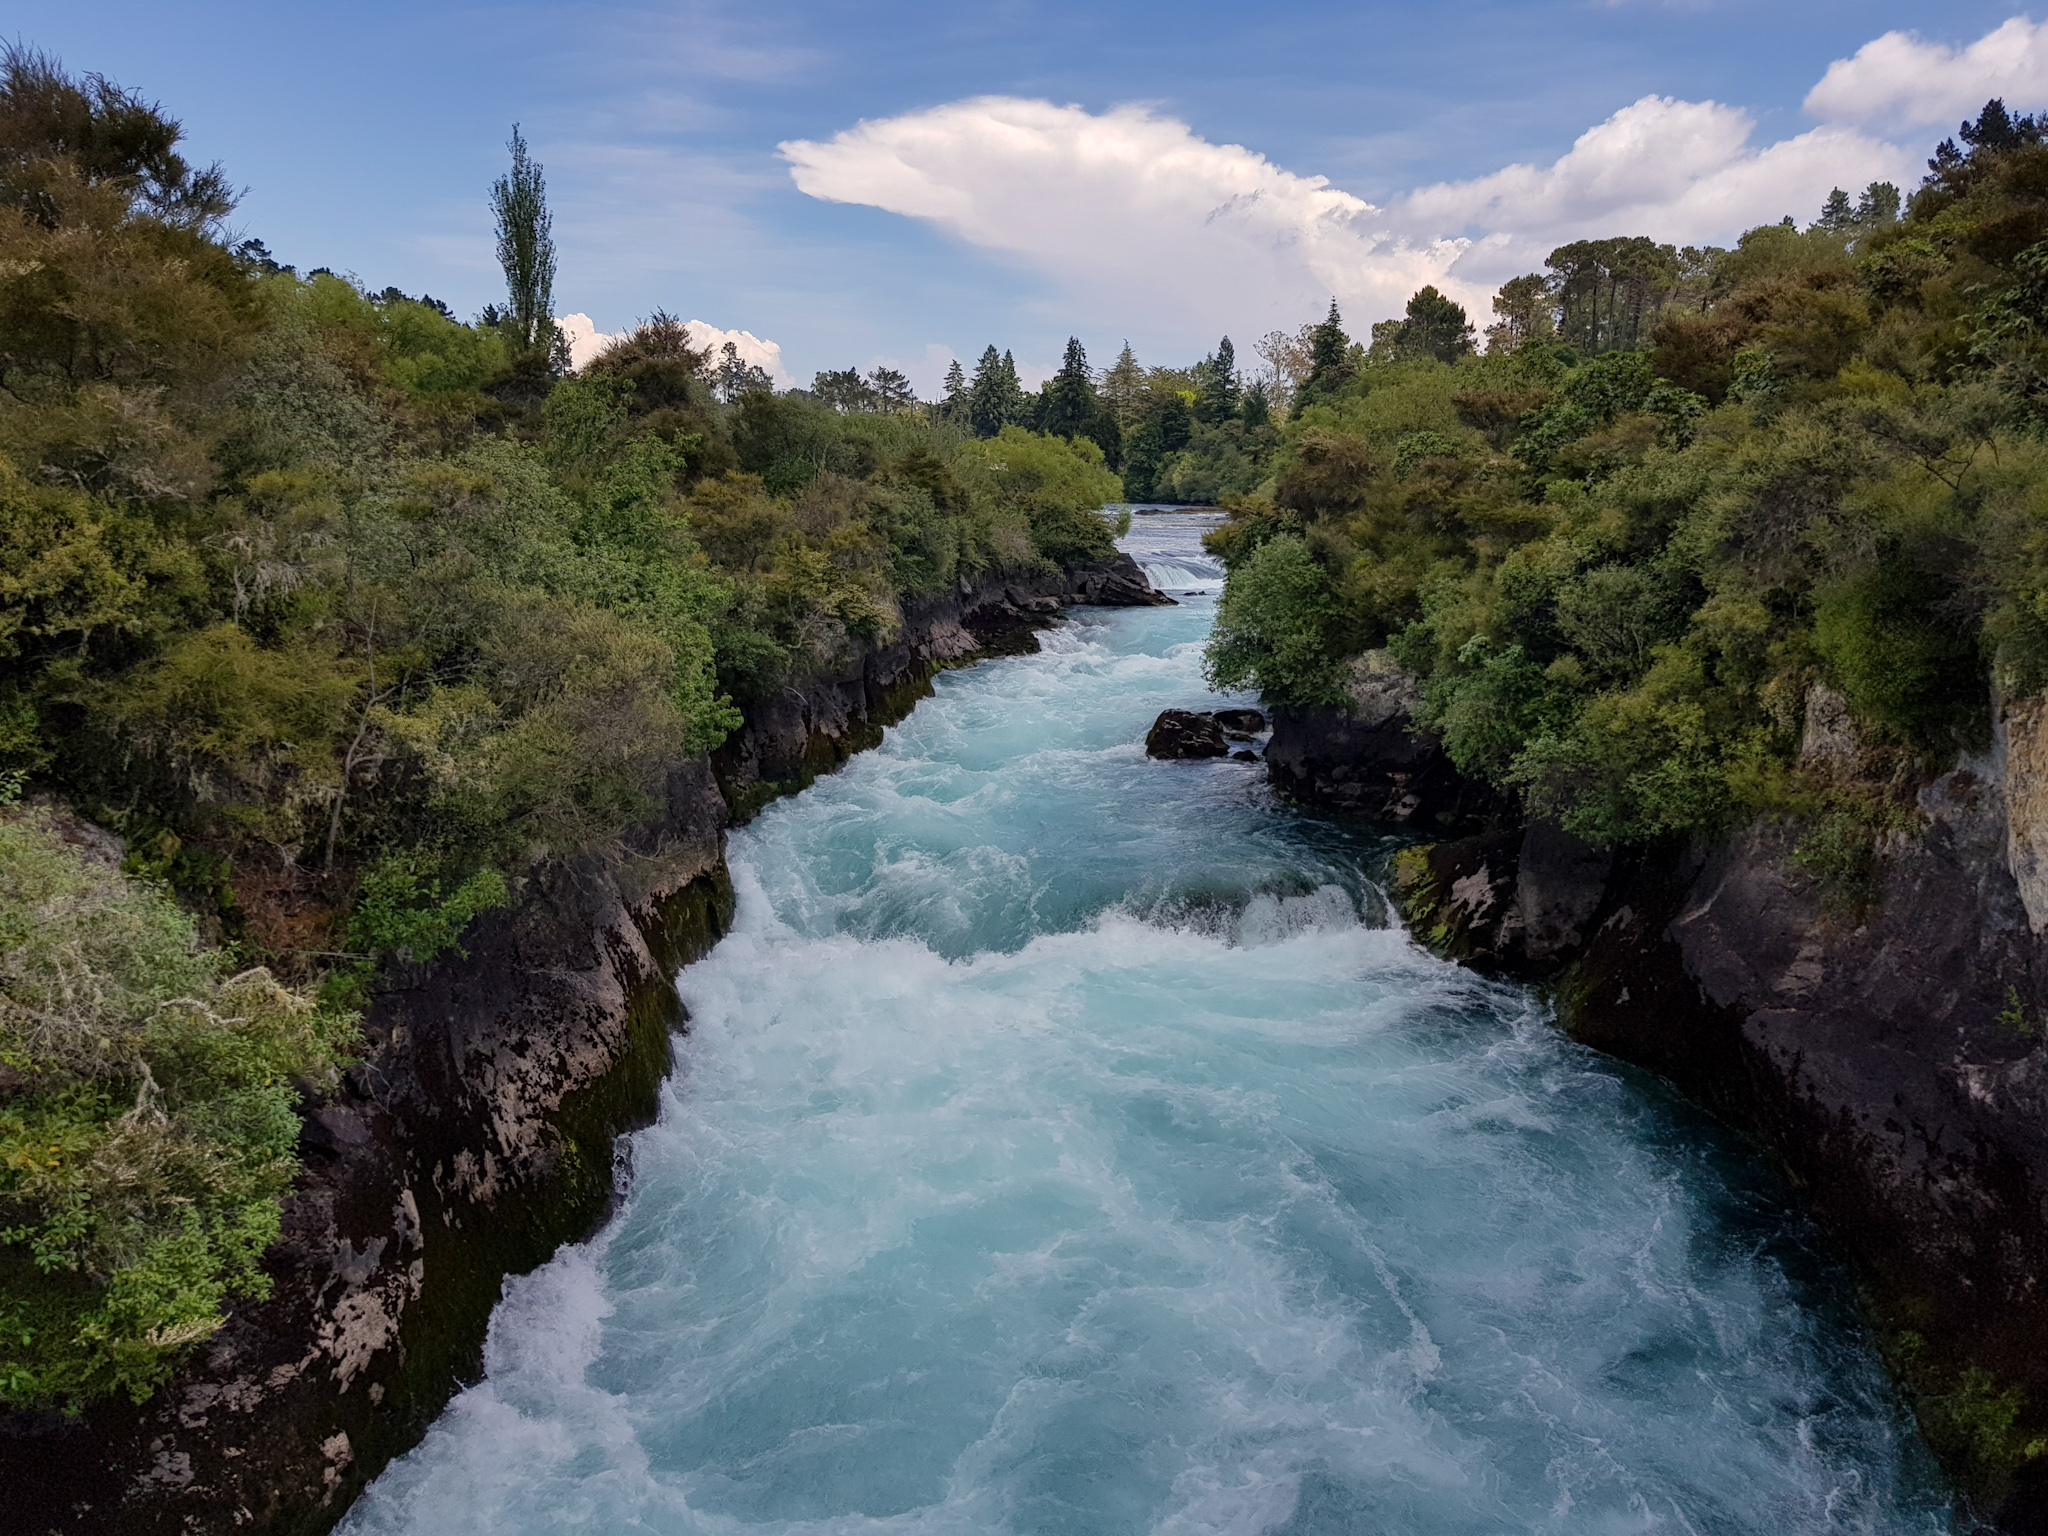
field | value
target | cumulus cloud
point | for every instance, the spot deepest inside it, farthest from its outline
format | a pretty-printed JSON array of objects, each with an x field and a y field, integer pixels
[
  {"x": 1900, "y": 79},
  {"x": 1126, "y": 202},
  {"x": 586, "y": 341},
  {"x": 1683, "y": 171},
  {"x": 1146, "y": 221}
]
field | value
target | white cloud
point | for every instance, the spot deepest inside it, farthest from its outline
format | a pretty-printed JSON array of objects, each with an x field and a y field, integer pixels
[
  {"x": 1149, "y": 224},
  {"x": 586, "y": 341},
  {"x": 1683, "y": 171},
  {"x": 1902, "y": 80},
  {"x": 1129, "y": 204}
]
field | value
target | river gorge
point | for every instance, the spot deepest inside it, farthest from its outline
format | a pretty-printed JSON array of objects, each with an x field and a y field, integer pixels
[{"x": 1064, "y": 1141}]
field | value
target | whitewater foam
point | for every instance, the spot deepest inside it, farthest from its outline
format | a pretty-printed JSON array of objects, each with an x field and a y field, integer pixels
[{"x": 1064, "y": 1142}]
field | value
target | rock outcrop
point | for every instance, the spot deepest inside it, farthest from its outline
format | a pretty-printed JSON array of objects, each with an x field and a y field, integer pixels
[
  {"x": 1183, "y": 734},
  {"x": 477, "y": 1134},
  {"x": 1365, "y": 756},
  {"x": 1893, "y": 1054},
  {"x": 814, "y": 725}
]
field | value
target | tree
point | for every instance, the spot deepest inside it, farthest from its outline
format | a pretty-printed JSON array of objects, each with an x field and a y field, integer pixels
[
  {"x": 1524, "y": 307},
  {"x": 995, "y": 399},
  {"x": 891, "y": 389},
  {"x": 844, "y": 390},
  {"x": 952, "y": 404},
  {"x": 1218, "y": 400},
  {"x": 1878, "y": 205},
  {"x": 526, "y": 246},
  {"x": 1836, "y": 213},
  {"x": 1328, "y": 357},
  {"x": 1288, "y": 357},
  {"x": 1610, "y": 292},
  {"x": 1123, "y": 388},
  {"x": 1995, "y": 130},
  {"x": 732, "y": 378},
  {"x": 1068, "y": 403},
  {"x": 103, "y": 135},
  {"x": 1434, "y": 326},
  {"x": 1257, "y": 409}
]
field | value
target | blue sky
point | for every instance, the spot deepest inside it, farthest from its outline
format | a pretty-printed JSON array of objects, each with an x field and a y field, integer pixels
[{"x": 367, "y": 136}]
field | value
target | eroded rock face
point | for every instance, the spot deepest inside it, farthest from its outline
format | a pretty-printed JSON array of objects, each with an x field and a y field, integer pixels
[
  {"x": 2023, "y": 745},
  {"x": 474, "y": 1138},
  {"x": 1895, "y": 1056},
  {"x": 1367, "y": 756},
  {"x": 1180, "y": 734},
  {"x": 816, "y": 723},
  {"x": 1239, "y": 723}
]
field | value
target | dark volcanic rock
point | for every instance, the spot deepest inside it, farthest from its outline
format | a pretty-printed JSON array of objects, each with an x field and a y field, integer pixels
[
  {"x": 1246, "y": 722},
  {"x": 1242, "y": 756},
  {"x": 477, "y": 1134},
  {"x": 1181, "y": 733},
  {"x": 1368, "y": 756},
  {"x": 474, "y": 1137},
  {"x": 817, "y": 722},
  {"x": 1892, "y": 1056},
  {"x": 1118, "y": 582}
]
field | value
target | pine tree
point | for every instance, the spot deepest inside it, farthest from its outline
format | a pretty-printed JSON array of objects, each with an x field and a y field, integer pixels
[
  {"x": 1069, "y": 399},
  {"x": 1836, "y": 213},
  {"x": 1879, "y": 204},
  {"x": 1218, "y": 400},
  {"x": 526, "y": 246},
  {"x": 995, "y": 399},
  {"x": 1435, "y": 326},
  {"x": 1123, "y": 388},
  {"x": 1329, "y": 365}
]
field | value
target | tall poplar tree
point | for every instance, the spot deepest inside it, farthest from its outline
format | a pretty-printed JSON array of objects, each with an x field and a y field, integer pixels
[{"x": 526, "y": 246}]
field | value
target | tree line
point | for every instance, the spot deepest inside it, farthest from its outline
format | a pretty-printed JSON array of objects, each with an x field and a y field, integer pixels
[{"x": 352, "y": 619}]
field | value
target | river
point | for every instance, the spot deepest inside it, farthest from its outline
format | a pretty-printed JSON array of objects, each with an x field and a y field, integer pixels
[{"x": 1065, "y": 1142}]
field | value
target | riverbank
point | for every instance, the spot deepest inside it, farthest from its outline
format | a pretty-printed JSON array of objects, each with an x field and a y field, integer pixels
[
  {"x": 1885, "y": 1045},
  {"x": 1068, "y": 1144},
  {"x": 477, "y": 1133}
]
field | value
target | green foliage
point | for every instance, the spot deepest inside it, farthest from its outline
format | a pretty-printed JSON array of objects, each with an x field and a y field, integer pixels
[
  {"x": 526, "y": 247},
  {"x": 352, "y": 618},
  {"x": 147, "y": 1124},
  {"x": 400, "y": 912},
  {"x": 1276, "y": 627},
  {"x": 1679, "y": 488}
]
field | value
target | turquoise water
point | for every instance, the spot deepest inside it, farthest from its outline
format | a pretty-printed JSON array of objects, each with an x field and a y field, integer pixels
[{"x": 1065, "y": 1142}]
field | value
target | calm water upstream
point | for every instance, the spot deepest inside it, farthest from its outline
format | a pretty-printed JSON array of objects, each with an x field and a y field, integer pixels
[{"x": 1065, "y": 1143}]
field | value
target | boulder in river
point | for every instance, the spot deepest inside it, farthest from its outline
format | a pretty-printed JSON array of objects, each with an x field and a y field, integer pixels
[
  {"x": 1240, "y": 722},
  {"x": 1182, "y": 733}
]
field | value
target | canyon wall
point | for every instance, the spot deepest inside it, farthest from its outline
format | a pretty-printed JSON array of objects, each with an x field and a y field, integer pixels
[
  {"x": 479, "y": 1130},
  {"x": 1889, "y": 1044}
]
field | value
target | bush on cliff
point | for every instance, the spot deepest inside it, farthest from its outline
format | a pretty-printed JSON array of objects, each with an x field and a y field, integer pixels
[
  {"x": 349, "y": 616},
  {"x": 1620, "y": 546},
  {"x": 148, "y": 1124}
]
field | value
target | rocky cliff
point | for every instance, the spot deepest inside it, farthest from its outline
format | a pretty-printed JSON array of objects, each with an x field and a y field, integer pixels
[
  {"x": 1891, "y": 1047},
  {"x": 479, "y": 1131}
]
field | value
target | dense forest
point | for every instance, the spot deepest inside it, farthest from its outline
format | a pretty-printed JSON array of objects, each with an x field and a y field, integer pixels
[
  {"x": 1687, "y": 509},
  {"x": 348, "y": 617}
]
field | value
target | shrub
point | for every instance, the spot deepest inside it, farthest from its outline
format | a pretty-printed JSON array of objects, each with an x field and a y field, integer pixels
[{"x": 147, "y": 1123}]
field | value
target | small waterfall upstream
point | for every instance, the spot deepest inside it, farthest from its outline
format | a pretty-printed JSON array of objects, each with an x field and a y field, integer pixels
[{"x": 1066, "y": 1142}]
